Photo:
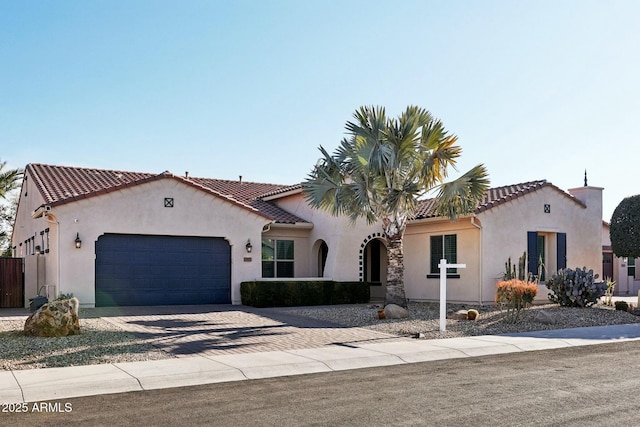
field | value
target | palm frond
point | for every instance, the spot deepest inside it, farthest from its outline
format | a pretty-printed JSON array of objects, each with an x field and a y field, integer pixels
[
  {"x": 384, "y": 165},
  {"x": 461, "y": 196},
  {"x": 9, "y": 180},
  {"x": 440, "y": 153}
]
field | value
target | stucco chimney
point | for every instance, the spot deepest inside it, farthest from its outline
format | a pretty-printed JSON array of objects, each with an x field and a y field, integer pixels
[
  {"x": 590, "y": 196},
  {"x": 591, "y": 224}
]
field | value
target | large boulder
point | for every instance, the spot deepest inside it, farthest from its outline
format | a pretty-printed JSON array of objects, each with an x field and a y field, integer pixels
[
  {"x": 394, "y": 311},
  {"x": 58, "y": 318}
]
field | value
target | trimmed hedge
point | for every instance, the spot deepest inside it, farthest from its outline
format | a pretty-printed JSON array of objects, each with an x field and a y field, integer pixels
[{"x": 301, "y": 293}]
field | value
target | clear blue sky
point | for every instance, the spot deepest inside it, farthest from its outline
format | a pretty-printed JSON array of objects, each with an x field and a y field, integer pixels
[{"x": 533, "y": 89}]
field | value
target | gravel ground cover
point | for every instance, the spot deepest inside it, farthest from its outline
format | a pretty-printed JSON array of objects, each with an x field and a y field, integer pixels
[
  {"x": 98, "y": 342},
  {"x": 425, "y": 319},
  {"x": 102, "y": 342}
]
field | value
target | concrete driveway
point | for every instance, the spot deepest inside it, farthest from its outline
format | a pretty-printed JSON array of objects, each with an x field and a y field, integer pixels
[{"x": 226, "y": 329}]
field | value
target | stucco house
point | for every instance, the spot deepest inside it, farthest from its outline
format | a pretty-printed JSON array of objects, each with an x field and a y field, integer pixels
[
  {"x": 621, "y": 269},
  {"x": 125, "y": 238}
]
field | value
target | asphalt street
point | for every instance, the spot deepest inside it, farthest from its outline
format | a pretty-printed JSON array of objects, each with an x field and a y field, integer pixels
[{"x": 577, "y": 386}]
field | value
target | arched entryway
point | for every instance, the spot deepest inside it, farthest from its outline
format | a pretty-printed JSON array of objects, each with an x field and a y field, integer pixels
[
  {"x": 321, "y": 250},
  {"x": 322, "y": 258},
  {"x": 373, "y": 268}
]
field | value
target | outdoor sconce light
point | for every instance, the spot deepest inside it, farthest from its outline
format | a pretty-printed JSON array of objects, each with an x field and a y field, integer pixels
[
  {"x": 78, "y": 241},
  {"x": 38, "y": 252},
  {"x": 249, "y": 246}
]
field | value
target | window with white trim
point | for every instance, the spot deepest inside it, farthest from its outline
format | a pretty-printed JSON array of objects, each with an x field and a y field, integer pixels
[
  {"x": 277, "y": 258},
  {"x": 444, "y": 246}
]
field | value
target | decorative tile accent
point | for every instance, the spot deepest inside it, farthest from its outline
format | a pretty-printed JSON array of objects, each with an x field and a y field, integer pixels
[
  {"x": 547, "y": 208},
  {"x": 361, "y": 255},
  {"x": 168, "y": 202}
]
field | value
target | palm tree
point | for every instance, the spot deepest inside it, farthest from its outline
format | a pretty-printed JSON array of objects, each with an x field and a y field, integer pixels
[
  {"x": 8, "y": 182},
  {"x": 8, "y": 179},
  {"x": 380, "y": 171}
]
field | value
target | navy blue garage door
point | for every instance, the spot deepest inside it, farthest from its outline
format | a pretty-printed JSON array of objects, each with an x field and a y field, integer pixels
[{"x": 162, "y": 270}]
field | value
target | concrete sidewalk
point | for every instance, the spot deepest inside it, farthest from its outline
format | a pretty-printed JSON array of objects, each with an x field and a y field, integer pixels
[{"x": 34, "y": 385}]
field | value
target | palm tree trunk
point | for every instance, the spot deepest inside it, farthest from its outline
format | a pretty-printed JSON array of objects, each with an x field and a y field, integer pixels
[{"x": 395, "y": 273}]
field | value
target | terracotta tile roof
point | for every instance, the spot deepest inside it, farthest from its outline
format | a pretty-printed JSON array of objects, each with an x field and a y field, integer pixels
[
  {"x": 296, "y": 188},
  {"x": 60, "y": 184},
  {"x": 495, "y": 197},
  {"x": 63, "y": 184},
  {"x": 251, "y": 193}
]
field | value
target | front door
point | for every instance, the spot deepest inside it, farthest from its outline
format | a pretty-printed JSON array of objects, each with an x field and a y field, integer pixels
[
  {"x": 375, "y": 268},
  {"x": 607, "y": 265}
]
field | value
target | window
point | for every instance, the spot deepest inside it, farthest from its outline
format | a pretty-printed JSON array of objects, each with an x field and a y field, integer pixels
[
  {"x": 542, "y": 257},
  {"x": 631, "y": 267},
  {"x": 444, "y": 247},
  {"x": 277, "y": 258},
  {"x": 546, "y": 252}
]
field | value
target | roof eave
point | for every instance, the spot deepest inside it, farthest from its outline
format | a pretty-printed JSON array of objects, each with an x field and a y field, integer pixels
[
  {"x": 282, "y": 195},
  {"x": 298, "y": 225}
]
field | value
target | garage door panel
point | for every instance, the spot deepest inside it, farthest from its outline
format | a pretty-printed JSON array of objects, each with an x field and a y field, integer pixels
[{"x": 162, "y": 270}]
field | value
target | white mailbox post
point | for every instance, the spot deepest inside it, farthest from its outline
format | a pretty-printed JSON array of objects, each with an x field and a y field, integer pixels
[{"x": 443, "y": 290}]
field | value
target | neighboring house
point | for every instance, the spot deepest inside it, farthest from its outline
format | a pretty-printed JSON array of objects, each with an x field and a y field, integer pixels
[
  {"x": 622, "y": 270},
  {"x": 148, "y": 239}
]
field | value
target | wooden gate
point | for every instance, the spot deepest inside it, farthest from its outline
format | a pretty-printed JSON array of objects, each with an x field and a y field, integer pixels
[{"x": 11, "y": 283}]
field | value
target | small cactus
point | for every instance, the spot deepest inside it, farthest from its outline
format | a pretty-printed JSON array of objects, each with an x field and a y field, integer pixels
[
  {"x": 522, "y": 267},
  {"x": 513, "y": 272}
]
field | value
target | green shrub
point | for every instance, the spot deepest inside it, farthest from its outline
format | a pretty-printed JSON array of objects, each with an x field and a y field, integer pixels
[
  {"x": 302, "y": 293},
  {"x": 575, "y": 288},
  {"x": 622, "y": 306},
  {"x": 515, "y": 296}
]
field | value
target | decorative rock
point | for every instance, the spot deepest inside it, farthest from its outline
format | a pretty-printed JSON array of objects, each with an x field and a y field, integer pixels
[
  {"x": 544, "y": 317},
  {"x": 58, "y": 318},
  {"x": 458, "y": 315},
  {"x": 393, "y": 311},
  {"x": 473, "y": 314}
]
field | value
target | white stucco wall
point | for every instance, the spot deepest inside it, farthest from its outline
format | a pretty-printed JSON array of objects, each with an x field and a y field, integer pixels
[
  {"x": 588, "y": 227},
  {"x": 505, "y": 227},
  {"x": 417, "y": 254},
  {"x": 300, "y": 237},
  {"x": 344, "y": 239},
  {"x": 140, "y": 210},
  {"x": 38, "y": 267},
  {"x": 503, "y": 234}
]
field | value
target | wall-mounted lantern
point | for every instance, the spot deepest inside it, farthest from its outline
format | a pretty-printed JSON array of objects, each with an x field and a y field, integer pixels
[
  {"x": 249, "y": 246},
  {"x": 78, "y": 241}
]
